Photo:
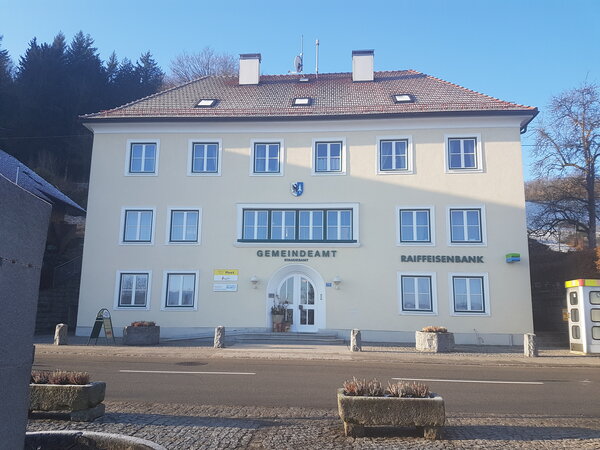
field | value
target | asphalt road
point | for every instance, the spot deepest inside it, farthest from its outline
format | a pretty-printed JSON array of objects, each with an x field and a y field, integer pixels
[{"x": 550, "y": 391}]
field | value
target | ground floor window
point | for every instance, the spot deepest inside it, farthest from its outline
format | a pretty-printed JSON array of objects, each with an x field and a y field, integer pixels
[
  {"x": 133, "y": 290},
  {"x": 469, "y": 293},
  {"x": 180, "y": 290},
  {"x": 417, "y": 293}
]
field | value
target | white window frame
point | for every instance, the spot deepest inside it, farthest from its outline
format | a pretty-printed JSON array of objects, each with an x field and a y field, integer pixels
[
  {"x": 311, "y": 227},
  {"x": 281, "y": 157},
  {"x": 124, "y": 211},
  {"x": 327, "y": 140},
  {"x": 339, "y": 221},
  {"x": 482, "y": 224},
  {"x": 434, "y": 300},
  {"x": 478, "y": 153},
  {"x": 304, "y": 206},
  {"x": 117, "y": 301},
  {"x": 284, "y": 225},
  {"x": 190, "y": 161},
  {"x": 170, "y": 211},
  {"x": 486, "y": 294},
  {"x": 166, "y": 273},
  {"x": 409, "y": 156},
  {"x": 431, "y": 210},
  {"x": 130, "y": 142}
]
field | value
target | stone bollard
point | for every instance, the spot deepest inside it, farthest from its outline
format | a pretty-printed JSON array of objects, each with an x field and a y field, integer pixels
[
  {"x": 355, "y": 341},
  {"x": 219, "y": 337},
  {"x": 530, "y": 345},
  {"x": 60, "y": 334}
]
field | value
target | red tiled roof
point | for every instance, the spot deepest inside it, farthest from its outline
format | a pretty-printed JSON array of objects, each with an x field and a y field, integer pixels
[{"x": 332, "y": 95}]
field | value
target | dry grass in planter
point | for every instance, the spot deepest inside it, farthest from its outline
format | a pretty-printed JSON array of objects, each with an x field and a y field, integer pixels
[{"x": 365, "y": 403}]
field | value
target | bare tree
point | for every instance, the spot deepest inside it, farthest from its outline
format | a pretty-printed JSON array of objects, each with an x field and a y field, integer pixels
[
  {"x": 188, "y": 67},
  {"x": 568, "y": 147}
]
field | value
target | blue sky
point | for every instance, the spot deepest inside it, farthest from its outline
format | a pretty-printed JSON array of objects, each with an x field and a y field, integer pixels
[{"x": 524, "y": 51}]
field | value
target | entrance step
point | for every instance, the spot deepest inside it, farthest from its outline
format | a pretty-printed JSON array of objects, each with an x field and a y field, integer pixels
[{"x": 289, "y": 338}]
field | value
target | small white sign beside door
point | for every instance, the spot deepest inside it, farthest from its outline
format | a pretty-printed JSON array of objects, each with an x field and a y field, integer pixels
[{"x": 225, "y": 287}]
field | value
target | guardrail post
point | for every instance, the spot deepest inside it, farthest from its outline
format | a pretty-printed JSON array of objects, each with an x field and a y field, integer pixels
[
  {"x": 219, "y": 341},
  {"x": 355, "y": 341},
  {"x": 530, "y": 348},
  {"x": 60, "y": 334}
]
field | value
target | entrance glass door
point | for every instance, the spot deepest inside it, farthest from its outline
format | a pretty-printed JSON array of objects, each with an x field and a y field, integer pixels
[{"x": 299, "y": 292}]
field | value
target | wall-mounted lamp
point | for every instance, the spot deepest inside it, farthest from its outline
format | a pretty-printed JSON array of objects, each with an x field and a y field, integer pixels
[
  {"x": 336, "y": 282},
  {"x": 254, "y": 281}
]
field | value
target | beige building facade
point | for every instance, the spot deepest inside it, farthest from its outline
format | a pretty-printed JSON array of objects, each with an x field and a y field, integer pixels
[{"x": 387, "y": 217}]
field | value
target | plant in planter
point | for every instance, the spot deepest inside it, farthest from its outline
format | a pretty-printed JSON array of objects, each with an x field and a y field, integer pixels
[
  {"x": 61, "y": 391},
  {"x": 278, "y": 311},
  {"x": 141, "y": 333},
  {"x": 362, "y": 402},
  {"x": 434, "y": 339}
]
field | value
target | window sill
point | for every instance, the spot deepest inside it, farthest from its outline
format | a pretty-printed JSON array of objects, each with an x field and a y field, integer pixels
[
  {"x": 318, "y": 244},
  {"x": 415, "y": 244}
]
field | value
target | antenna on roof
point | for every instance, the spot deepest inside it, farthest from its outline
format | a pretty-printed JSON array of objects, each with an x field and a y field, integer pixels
[
  {"x": 298, "y": 65},
  {"x": 317, "y": 61}
]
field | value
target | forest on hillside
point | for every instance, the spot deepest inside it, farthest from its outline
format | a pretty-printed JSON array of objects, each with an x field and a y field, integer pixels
[{"x": 44, "y": 93}]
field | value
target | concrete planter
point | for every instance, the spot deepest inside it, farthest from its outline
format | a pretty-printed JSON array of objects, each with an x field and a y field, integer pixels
[
  {"x": 52, "y": 440},
  {"x": 141, "y": 335},
  {"x": 82, "y": 402},
  {"x": 434, "y": 342},
  {"x": 427, "y": 414}
]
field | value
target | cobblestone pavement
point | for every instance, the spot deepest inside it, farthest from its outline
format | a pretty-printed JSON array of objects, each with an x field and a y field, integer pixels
[{"x": 219, "y": 427}]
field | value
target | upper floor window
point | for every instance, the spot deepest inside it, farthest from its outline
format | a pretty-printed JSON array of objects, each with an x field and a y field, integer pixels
[
  {"x": 137, "y": 225},
  {"x": 267, "y": 158},
  {"x": 329, "y": 157},
  {"x": 133, "y": 290},
  {"x": 415, "y": 226},
  {"x": 339, "y": 225},
  {"x": 466, "y": 226},
  {"x": 298, "y": 225},
  {"x": 184, "y": 226},
  {"x": 205, "y": 158},
  {"x": 311, "y": 225},
  {"x": 393, "y": 155},
  {"x": 142, "y": 158},
  {"x": 463, "y": 153},
  {"x": 469, "y": 293}
]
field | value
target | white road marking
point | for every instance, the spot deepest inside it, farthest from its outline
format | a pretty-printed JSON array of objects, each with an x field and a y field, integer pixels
[
  {"x": 469, "y": 381},
  {"x": 189, "y": 373}
]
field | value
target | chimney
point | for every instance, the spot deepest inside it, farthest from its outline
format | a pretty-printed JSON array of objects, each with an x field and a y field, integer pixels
[
  {"x": 249, "y": 68},
  {"x": 362, "y": 65}
]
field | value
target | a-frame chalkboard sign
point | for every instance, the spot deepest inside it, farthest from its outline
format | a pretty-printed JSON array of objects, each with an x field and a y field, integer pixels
[{"x": 102, "y": 321}]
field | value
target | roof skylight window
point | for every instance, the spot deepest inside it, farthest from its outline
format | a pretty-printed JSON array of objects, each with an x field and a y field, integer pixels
[
  {"x": 403, "y": 98},
  {"x": 301, "y": 101},
  {"x": 207, "y": 102},
  {"x": 304, "y": 80}
]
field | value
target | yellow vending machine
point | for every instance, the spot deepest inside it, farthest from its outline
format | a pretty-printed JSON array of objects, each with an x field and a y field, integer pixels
[{"x": 583, "y": 304}]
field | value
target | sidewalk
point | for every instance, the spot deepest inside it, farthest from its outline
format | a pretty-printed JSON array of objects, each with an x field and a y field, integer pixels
[{"x": 202, "y": 349}]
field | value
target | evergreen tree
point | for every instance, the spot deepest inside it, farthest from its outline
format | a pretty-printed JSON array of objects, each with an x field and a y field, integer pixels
[
  {"x": 43, "y": 113},
  {"x": 7, "y": 99},
  {"x": 86, "y": 74},
  {"x": 150, "y": 76}
]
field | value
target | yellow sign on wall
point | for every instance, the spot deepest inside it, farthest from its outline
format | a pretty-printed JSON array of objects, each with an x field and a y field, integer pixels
[{"x": 225, "y": 274}]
